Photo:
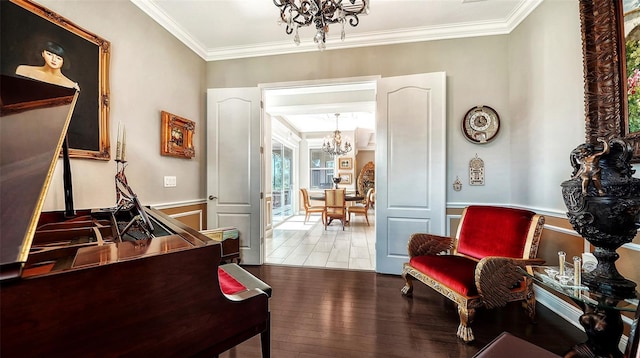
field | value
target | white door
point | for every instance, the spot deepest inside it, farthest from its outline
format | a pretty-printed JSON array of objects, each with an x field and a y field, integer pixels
[
  {"x": 410, "y": 164},
  {"x": 234, "y": 166}
]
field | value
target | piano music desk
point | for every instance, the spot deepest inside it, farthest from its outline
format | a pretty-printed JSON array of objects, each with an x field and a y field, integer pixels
[{"x": 230, "y": 240}]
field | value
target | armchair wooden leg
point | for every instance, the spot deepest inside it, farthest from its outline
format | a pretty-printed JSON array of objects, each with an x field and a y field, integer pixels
[
  {"x": 306, "y": 217},
  {"x": 407, "y": 290},
  {"x": 466, "y": 318},
  {"x": 529, "y": 303},
  {"x": 530, "y": 306}
]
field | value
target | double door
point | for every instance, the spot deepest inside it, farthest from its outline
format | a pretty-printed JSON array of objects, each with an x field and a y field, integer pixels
[{"x": 410, "y": 165}]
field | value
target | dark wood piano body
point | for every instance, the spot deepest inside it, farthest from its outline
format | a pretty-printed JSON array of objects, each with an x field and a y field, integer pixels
[
  {"x": 70, "y": 288},
  {"x": 161, "y": 298}
]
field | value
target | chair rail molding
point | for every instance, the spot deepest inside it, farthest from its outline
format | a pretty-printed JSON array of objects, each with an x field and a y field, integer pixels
[{"x": 178, "y": 204}]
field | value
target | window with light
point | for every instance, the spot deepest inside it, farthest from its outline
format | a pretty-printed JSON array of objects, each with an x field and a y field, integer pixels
[{"x": 321, "y": 166}]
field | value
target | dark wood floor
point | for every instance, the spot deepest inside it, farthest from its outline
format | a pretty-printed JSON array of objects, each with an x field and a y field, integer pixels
[{"x": 339, "y": 313}]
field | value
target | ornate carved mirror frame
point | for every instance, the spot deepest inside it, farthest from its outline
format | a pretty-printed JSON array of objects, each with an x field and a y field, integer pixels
[{"x": 603, "y": 48}]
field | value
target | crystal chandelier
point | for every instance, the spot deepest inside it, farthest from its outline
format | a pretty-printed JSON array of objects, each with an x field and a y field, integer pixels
[
  {"x": 333, "y": 145},
  {"x": 321, "y": 13}
]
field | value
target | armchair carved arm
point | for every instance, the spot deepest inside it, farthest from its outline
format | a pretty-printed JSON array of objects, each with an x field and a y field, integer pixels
[
  {"x": 426, "y": 244},
  {"x": 497, "y": 276}
]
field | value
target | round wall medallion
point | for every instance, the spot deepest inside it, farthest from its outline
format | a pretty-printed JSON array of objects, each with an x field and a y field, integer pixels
[{"x": 481, "y": 124}]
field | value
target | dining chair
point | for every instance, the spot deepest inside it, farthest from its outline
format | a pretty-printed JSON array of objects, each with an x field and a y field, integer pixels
[
  {"x": 308, "y": 208},
  {"x": 362, "y": 208},
  {"x": 335, "y": 206}
]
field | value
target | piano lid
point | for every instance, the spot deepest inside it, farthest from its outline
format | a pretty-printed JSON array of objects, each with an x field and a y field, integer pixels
[{"x": 34, "y": 117}]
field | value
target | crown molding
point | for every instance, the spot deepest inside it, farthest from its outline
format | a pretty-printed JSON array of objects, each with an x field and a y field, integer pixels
[
  {"x": 521, "y": 12},
  {"x": 427, "y": 33},
  {"x": 174, "y": 28}
]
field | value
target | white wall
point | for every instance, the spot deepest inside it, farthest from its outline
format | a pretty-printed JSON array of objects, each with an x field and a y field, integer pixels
[
  {"x": 150, "y": 71},
  {"x": 476, "y": 71},
  {"x": 532, "y": 77},
  {"x": 546, "y": 99}
]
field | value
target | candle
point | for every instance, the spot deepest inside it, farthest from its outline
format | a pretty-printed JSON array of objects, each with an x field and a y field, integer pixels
[
  {"x": 124, "y": 143},
  {"x": 561, "y": 256},
  {"x": 118, "y": 144},
  {"x": 577, "y": 278}
]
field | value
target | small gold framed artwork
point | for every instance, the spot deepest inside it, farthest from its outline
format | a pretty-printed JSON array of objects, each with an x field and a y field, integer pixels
[
  {"x": 177, "y": 136},
  {"x": 345, "y": 178},
  {"x": 344, "y": 163}
]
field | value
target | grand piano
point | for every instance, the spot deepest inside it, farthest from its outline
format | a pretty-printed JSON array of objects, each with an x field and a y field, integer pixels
[{"x": 101, "y": 282}]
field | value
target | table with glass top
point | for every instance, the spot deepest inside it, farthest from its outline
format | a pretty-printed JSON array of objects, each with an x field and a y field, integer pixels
[{"x": 602, "y": 319}]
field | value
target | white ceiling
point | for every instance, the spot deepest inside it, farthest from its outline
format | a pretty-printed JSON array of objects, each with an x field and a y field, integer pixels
[
  {"x": 313, "y": 109},
  {"x": 228, "y": 29}
]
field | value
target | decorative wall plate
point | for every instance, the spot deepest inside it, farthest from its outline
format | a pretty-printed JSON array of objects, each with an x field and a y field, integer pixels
[
  {"x": 481, "y": 124},
  {"x": 476, "y": 171}
]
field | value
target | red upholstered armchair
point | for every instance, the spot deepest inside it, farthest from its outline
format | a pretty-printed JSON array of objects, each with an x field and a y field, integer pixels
[{"x": 478, "y": 267}]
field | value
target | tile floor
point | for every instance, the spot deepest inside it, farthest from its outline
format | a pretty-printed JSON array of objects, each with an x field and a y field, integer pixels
[{"x": 296, "y": 243}]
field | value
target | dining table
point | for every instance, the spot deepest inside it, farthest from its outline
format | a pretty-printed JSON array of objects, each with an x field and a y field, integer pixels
[{"x": 347, "y": 197}]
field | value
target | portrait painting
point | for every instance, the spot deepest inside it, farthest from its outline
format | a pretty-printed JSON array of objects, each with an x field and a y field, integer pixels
[{"x": 40, "y": 45}]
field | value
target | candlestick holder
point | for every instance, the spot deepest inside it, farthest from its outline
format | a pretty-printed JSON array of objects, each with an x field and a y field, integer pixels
[
  {"x": 123, "y": 191},
  {"x": 577, "y": 271},
  {"x": 561, "y": 262}
]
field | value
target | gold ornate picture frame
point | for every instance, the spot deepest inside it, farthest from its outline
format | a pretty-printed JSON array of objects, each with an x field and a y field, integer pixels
[
  {"x": 605, "y": 72},
  {"x": 177, "y": 136},
  {"x": 28, "y": 30},
  {"x": 345, "y": 178},
  {"x": 345, "y": 163}
]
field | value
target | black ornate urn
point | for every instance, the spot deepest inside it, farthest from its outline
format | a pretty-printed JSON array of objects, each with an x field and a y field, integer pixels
[{"x": 603, "y": 202}]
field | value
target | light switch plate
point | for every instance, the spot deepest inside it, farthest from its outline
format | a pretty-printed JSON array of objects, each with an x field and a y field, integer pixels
[{"x": 170, "y": 181}]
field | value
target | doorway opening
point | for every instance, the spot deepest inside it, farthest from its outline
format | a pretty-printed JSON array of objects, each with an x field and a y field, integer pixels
[
  {"x": 306, "y": 113},
  {"x": 410, "y": 165}
]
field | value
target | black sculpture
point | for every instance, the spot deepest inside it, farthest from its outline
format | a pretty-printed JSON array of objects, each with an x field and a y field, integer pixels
[
  {"x": 336, "y": 181},
  {"x": 603, "y": 202}
]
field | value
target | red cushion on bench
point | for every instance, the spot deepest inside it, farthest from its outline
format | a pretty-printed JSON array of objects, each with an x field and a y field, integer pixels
[
  {"x": 456, "y": 272},
  {"x": 228, "y": 284},
  {"x": 494, "y": 231}
]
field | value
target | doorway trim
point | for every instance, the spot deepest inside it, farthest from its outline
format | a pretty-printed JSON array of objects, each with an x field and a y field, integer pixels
[{"x": 296, "y": 85}]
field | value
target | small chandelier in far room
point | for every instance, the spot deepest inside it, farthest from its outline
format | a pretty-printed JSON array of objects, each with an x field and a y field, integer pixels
[
  {"x": 320, "y": 13},
  {"x": 333, "y": 145}
]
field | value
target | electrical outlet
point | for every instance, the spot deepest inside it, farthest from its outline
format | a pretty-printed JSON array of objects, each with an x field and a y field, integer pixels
[{"x": 170, "y": 181}]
